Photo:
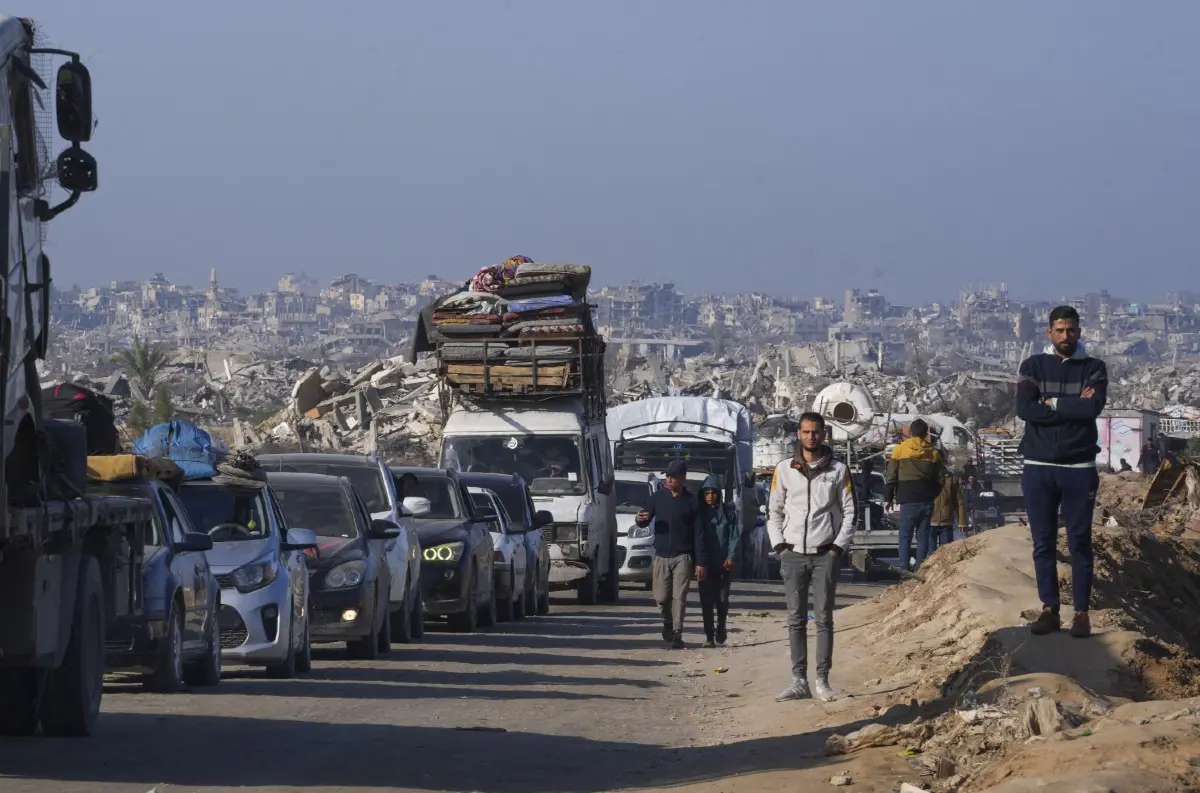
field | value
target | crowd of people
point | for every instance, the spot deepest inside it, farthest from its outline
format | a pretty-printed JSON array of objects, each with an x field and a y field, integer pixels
[{"x": 811, "y": 512}]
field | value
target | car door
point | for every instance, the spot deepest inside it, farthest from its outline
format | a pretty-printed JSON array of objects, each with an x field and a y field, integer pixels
[
  {"x": 380, "y": 557},
  {"x": 185, "y": 568},
  {"x": 520, "y": 556},
  {"x": 296, "y": 566},
  {"x": 481, "y": 542},
  {"x": 542, "y": 550}
]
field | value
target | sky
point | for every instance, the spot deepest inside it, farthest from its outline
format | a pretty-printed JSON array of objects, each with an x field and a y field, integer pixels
[{"x": 795, "y": 147}]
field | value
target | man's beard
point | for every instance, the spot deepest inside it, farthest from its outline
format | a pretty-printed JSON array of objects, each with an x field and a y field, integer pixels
[{"x": 1067, "y": 348}]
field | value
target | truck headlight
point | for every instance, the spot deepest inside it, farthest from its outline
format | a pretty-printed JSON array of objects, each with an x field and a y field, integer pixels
[
  {"x": 446, "y": 552},
  {"x": 639, "y": 532},
  {"x": 256, "y": 575},
  {"x": 566, "y": 532},
  {"x": 345, "y": 575}
]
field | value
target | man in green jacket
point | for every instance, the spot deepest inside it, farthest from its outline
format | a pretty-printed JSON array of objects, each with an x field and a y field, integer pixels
[{"x": 718, "y": 529}]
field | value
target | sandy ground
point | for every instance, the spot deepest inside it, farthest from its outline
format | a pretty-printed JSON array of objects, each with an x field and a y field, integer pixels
[{"x": 587, "y": 699}]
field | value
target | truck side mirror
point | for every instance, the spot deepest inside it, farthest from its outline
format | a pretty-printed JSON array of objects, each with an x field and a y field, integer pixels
[
  {"x": 73, "y": 102},
  {"x": 606, "y": 486},
  {"x": 77, "y": 170}
]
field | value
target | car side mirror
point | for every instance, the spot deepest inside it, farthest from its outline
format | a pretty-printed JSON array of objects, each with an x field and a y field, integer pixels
[
  {"x": 542, "y": 518},
  {"x": 301, "y": 540},
  {"x": 195, "y": 541},
  {"x": 383, "y": 529},
  {"x": 417, "y": 506},
  {"x": 606, "y": 486}
]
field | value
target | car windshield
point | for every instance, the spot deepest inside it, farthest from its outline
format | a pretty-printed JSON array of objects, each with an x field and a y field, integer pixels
[
  {"x": 551, "y": 464},
  {"x": 631, "y": 496},
  {"x": 443, "y": 505},
  {"x": 367, "y": 480},
  {"x": 325, "y": 510},
  {"x": 227, "y": 514}
]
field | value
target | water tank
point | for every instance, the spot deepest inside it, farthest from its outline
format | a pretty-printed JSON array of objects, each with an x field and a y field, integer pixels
[{"x": 848, "y": 409}]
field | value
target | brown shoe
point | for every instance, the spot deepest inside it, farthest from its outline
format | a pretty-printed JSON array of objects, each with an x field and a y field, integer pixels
[
  {"x": 1081, "y": 626},
  {"x": 1048, "y": 622}
]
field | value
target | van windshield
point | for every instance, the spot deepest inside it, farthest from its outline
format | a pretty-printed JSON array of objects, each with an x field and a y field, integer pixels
[{"x": 551, "y": 464}]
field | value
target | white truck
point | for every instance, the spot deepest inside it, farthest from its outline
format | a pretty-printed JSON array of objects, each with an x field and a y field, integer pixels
[
  {"x": 713, "y": 436},
  {"x": 70, "y": 566}
]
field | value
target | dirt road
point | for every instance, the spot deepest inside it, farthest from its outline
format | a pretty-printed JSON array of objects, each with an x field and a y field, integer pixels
[{"x": 587, "y": 699}]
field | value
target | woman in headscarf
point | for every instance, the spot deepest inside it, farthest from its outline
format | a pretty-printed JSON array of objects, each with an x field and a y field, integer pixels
[{"x": 718, "y": 528}]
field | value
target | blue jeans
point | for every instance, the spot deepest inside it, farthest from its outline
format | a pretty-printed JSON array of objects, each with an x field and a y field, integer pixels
[
  {"x": 1049, "y": 489},
  {"x": 914, "y": 524}
]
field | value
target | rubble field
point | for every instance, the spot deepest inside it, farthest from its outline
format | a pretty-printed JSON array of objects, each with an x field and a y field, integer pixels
[{"x": 945, "y": 689}]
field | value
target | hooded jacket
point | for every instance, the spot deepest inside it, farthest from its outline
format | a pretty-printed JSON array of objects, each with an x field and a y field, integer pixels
[
  {"x": 717, "y": 528},
  {"x": 1063, "y": 432},
  {"x": 811, "y": 507},
  {"x": 915, "y": 472},
  {"x": 951, "y": 503}
]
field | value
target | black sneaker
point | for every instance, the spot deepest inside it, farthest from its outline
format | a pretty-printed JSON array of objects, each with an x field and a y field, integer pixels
[
  {"x": 668, "y": 634},
  {"x": 721, "y": 637},
  {"x": 709, "y": 644},
  {"x": 677, "y": 642}
]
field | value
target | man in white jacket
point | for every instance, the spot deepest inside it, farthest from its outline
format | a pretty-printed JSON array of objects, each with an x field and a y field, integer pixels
[{"x": 811, "y": 522}]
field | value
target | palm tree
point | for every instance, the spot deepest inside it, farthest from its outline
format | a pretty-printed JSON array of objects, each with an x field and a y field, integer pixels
[{"x": 144, "y": 362}]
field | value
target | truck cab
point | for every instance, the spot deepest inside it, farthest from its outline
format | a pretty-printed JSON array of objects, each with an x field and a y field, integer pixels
[{"x": 565, "y": 458}]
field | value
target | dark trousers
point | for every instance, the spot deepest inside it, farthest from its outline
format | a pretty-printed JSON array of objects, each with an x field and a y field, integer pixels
[
  {"x": 1048, "y": 489},
  {"x": 714, "y": 596},
  {"x": 914, "y": 524}
]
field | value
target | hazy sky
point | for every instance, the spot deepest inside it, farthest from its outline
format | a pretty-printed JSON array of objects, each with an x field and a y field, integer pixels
[{"x": 794, "y": 147}]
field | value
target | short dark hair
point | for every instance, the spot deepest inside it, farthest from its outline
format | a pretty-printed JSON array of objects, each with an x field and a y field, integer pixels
[
  {"x": 1064, "y": 312},
  {"x": 813, "y": 417},
  {"x": 919, "y": 428}
]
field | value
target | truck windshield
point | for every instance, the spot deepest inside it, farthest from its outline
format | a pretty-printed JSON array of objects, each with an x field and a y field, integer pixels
[
  {"x": 655, "y": 455},
  {"x": 551, "y": 464},
  {"x": 226, "y": 513}
]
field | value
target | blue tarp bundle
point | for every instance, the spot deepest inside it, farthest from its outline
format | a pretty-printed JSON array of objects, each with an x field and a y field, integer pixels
[{"x": 190, "y": 447}]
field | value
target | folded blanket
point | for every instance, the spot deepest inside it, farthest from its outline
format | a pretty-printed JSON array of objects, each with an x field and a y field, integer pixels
[
  {"x": 549, "y": 268},
  {"x": 542, "y": 351},
  {"x": 467, "y": 319},
  {"x": 516, "y": 327},
  {"x": 539, "y": 303},
  {"x": 467, "y": 330},
  {"x": 545, "y": 284},
  {"x": 472, "y": 351},
  {"x": 557, "y": 331}
]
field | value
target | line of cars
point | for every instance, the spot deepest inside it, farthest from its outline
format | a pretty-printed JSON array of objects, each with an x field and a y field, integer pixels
[{"x": 328, "y": 548}]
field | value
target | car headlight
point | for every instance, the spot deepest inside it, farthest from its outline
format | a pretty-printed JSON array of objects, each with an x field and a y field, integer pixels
[
  {"x": 639, "y": 532},
  {"x": 446, "y": 552},
  {"x": 345, "y": 575},
  {"x": 256, "y": 575}
]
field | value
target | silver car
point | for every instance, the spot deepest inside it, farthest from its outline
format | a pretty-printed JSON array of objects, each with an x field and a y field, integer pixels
[{"x": 260, "y": 566}]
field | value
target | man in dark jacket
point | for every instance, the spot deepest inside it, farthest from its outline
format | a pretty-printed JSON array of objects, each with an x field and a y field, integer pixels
[
  {"x": 718, "y": 530},
  {"x": 1060, "y": 392},
  {"x": 677, "y": 552},
  {"x": 914, "y": 480}
]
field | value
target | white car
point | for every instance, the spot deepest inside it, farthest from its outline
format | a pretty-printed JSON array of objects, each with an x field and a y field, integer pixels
[
  {"x": 635, "y": 545},
  {"x": 511, "y": 559}
]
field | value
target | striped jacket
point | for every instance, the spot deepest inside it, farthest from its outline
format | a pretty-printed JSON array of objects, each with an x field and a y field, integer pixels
[{"x": 1063, "y": 432}]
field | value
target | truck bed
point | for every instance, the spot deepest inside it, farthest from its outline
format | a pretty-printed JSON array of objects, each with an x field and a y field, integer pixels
[{"x": 67, "y": 520}]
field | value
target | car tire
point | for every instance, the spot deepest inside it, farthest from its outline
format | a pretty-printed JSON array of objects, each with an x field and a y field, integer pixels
[
  {"x": 487, "y": 615},
  {"x": 649, "y": 585},
  {"x": 467, "y": 620},
  {"x": 531, "y": 599},
  {"x": 385, "y": 632},
  {"x": 285, "y": 669},
  {"x": 364, "y": 649},
  {"x": 589, "y": 589},
  {"x": 518, "y": 606},
  {"x": 402, "y": 625},
  {"x": 207, "y": 670},
  {"x": 543, "y": 603},
  {"x": 505, "y": 610},
  {"x": 168, "y": 677},
  {"x": 71, "y": 702},
  {"x": 304, "y": 657},
  {"x": 18, "y": 700},
  {"x": 417, "y": 620}
]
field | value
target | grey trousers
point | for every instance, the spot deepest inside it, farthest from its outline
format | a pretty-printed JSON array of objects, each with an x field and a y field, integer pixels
[
  {"x": 672, "y": 580},
  {"x": 799, "y": 572}
]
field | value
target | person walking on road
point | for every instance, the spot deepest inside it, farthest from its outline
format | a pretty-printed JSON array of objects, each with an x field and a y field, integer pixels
[
  {"x": 719, "y": 531},
  {"x": 950, "y": 506},
  {"x": 1059, "y": 395},
  {"x": 811, "y": 519},
  {"x": 677, "y": 552},
  {"x": 914, "y": 480}
]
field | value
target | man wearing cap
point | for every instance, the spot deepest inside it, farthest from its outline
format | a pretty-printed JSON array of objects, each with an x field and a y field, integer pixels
[{"x": 678, "y": 553}]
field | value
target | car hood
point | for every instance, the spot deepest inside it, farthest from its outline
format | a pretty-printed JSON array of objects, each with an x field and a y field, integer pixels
[
  {"x": 226, "y": 556},
  {"x": 625, "y": 522},
  {"x": 335, "y": 550},
  {"x": 436, "y": 532}
]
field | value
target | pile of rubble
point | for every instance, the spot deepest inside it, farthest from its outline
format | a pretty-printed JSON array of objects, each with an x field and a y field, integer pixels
[
  {"x": 390, "y": 407},
  {"x": 1154, "y": 387}
]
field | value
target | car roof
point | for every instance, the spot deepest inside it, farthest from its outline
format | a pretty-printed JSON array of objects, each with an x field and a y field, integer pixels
[
  {"x": 324, "y": 481},
  {"x": 319, "y": 457},
  {"x": 487, "y": 480},
  {"x": 445, "y": 473}
]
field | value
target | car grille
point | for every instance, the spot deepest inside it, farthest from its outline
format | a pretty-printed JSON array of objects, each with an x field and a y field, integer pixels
[
  {"x": 225, "y": 581},
  {"x": 233, "y": 629},
  {"x": 622, "y": 552}
]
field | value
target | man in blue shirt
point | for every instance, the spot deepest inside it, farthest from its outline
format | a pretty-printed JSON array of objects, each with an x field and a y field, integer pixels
[{"x": 678, "y": 551}]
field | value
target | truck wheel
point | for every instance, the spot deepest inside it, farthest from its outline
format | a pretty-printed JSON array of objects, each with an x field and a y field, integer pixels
[
  {"x": 18, "y": 700},
  {"x": 467, "y": 620},
  {"x": 168, "y": 677},
  {"x": 588, "y": 588},
  {"x": 207, "y": 671},
  {"x": 72, "y": 700},
  {"x": 611, "y": 588}
]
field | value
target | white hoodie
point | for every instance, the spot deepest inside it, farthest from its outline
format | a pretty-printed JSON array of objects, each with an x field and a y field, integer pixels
[{"x": 811, "y": 513}]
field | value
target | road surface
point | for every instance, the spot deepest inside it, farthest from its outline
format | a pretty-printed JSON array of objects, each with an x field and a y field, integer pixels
[{"x": 587, "y": 699}]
